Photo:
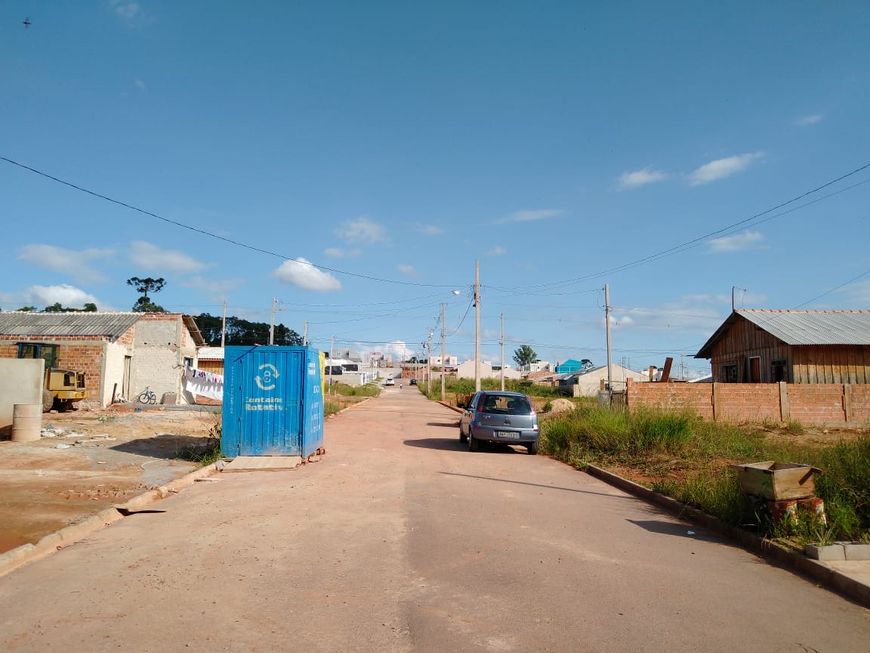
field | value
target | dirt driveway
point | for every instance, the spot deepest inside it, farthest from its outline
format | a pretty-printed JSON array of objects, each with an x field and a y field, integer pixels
[{"x": 97, "y": 459}]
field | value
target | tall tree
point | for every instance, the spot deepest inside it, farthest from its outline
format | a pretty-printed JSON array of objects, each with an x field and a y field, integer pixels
[
  {"x": 525, "y": 355},
  {"x": 143, "y": 286}
]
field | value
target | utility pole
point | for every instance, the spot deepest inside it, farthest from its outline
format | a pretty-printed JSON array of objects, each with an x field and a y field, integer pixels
[
  {"x": 305, "y": 334},
  {"x": 501, "y": 343},
  {"x": 329, "y": 371},
  {"x": 272, "y": 321},
  {"x": 477, "y": 326},
  {"x": 733, "y": 288},
  {"x": 428, "y": 362},
  {"x": 443, "y": 348},
  {"x": 607, "y": 331},
  {"x": 224, "y": 326}
]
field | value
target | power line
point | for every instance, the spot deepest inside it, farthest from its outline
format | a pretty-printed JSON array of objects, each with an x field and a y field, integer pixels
[
  {"x": 210, "y": 234},
  {"x": 834, "y": 289},
  {"x": 694, "y": 241}
]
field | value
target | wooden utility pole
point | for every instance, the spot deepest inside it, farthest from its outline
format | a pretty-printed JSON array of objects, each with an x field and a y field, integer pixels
[
  {"x": 607, "y": 331},
  {"x": 443, "y": 348},
  {"x": 477, "y": 326},
  {"x": 501, "y": 343},
  {"x": 224, "y": 326}
]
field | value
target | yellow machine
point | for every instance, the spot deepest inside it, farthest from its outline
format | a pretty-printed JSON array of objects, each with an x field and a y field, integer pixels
[{"x": 62, "y": 387}]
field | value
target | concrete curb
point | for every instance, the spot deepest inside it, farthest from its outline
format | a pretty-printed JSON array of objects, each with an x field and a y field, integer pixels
[
  {"x": 68, "y": 535},
  {"x": 453, "y": 408},
  {"x": 831, "y": 579}
]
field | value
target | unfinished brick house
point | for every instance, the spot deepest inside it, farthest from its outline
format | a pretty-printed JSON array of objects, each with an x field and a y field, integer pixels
[
  {"x": 801, "y": 347},
  {"x": 120, "y": 353}
]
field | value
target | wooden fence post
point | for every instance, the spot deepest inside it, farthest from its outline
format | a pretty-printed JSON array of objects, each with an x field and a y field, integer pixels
[
  {"x": 784, "y": 408},
  {"x": 847, "y": 402},
  {"x": 715, "y": 399}
]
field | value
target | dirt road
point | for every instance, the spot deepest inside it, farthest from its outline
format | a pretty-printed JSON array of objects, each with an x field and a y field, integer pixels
[{"x": 400, "y": 540}]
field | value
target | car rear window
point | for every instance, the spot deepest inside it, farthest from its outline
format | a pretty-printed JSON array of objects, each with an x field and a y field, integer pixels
[{"x": 501, "y": 405}]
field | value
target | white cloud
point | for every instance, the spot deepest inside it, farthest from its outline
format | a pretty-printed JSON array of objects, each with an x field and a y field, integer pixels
[
  {"x": 430, "y": 230},
  {"x": 68, "y": 295},
  {"x": 126, "y": 9},
  {"x": 737, "y": 242},
  {"x": 362, "y": 231},
  {"x": 806, "y": 121},
  {"x": 531, "y": 215},
  {"x": 641, "y": 177},
  {"x": 66, "y": 261},
  {"x": 302, "y": 274},
  {"x": 152, "y": 258},
  {"x": 399, "y": 349},
  {"x": 722, "y": 168},
  {"x": 407, "y": 270},
  {"x": 498, "y": 250}
]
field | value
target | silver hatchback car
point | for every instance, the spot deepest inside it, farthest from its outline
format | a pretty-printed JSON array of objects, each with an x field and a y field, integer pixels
[{"x": 506, "y": 417}]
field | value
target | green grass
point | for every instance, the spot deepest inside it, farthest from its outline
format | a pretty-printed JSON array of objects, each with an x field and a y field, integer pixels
[
  {"x": 457, "y": 388},
  {"x": 345, "y": 390},
  {"x": 682, "y": 456},
  {"x": 331, "y": 408}
]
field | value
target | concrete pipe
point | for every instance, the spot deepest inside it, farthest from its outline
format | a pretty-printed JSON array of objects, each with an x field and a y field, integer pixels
[{"x": 26, "y": 422}]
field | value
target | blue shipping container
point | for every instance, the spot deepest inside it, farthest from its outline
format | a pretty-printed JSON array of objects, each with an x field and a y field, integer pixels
[{"x": 273, "y": 402}]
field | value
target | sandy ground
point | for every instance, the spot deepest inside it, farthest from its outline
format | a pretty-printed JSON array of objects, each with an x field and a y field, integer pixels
[
  {"x": 400, "y": 539},
  {"x": 101, "y": 459}
]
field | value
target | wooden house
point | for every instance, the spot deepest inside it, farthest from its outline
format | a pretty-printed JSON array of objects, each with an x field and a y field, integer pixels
[{"x": 767, "y": 346}]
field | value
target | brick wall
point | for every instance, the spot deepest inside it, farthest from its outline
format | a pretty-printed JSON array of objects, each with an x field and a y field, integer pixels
[{"x": 825, "y": 404}]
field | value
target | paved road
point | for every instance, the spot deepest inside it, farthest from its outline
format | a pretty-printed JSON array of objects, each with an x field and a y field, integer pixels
[{"x": 399, "y": 540}]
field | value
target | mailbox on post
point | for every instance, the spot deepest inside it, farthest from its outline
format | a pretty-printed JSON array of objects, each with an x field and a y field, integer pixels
[{"x": 273, "y": 402}]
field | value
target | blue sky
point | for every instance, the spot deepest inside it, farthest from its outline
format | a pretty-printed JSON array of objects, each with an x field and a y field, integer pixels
[{"x": 395, "y": 140}]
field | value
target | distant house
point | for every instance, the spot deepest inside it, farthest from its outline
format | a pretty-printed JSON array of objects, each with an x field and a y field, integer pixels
[
  {"x": 466, "y": 371},
  {"x": 766, "y": 346},
  {"x": 588, "y": 382},
  {"x": 211, "y": 359},
  {"x": 119, "y": 353},
  {"x": 572, "y": 366}
]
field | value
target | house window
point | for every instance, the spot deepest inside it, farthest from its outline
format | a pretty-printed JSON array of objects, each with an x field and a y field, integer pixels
[
  {"x": 778, "y": 371},
  {"x": 729, "y": 373},
  {"x": 38, "y": 350},
  {"x": 188, "y": 362}
]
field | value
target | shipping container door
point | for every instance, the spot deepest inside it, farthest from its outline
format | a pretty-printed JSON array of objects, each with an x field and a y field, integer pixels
[{"x": 271, "y": 416}]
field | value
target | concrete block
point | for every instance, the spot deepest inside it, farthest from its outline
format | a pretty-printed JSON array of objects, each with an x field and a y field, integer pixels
[
  {"x": 825, "y": 553},
  {"x": 857, "y": 551}
]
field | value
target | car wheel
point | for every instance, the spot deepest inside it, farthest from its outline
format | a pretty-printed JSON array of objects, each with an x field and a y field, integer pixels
[
  {"x": 533, "y": 448},
  {"x": 473, "y": 443}
]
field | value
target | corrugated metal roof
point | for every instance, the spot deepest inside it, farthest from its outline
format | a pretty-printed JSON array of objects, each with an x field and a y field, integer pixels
[
  {"x": 210, "y": 354},
  {"x": 802, "y": 327},
  {"x": 111, "y": 325}
]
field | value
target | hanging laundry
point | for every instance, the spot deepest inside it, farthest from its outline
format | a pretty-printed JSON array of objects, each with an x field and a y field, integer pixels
[{"x": 204, "y": 384}]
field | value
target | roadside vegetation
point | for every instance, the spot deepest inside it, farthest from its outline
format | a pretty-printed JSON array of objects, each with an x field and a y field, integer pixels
[
  {"x": 367, "y": 390},
  {"x": 680, "y": 455},
  {"x": 344, "y": 395},
  {"x": 458, "y": 389}
]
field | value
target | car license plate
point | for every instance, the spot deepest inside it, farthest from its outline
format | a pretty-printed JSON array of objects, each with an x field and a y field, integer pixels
[{"x": 508, "y": 435}]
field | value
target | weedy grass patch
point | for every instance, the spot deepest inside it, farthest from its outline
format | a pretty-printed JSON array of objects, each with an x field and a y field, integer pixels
[{"x": 680, "y": 455}]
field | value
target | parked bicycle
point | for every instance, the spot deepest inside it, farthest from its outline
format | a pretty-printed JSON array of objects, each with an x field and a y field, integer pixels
[{"x": 147, "y": 396}]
